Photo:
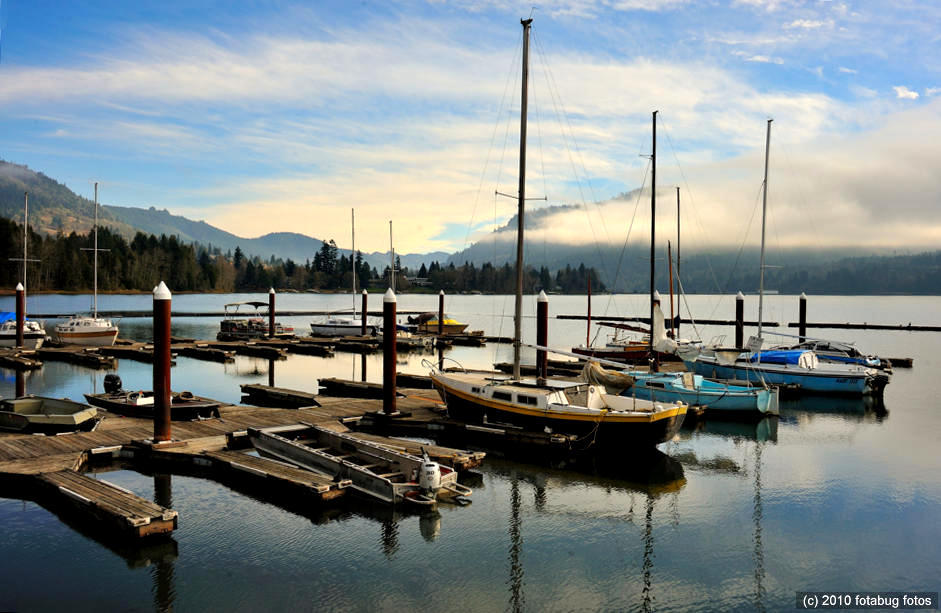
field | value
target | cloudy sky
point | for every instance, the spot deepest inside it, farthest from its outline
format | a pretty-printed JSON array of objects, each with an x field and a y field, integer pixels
[{"x": 277, "y": 116}]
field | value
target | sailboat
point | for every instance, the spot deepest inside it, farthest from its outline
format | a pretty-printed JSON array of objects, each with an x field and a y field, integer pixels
[
  {"x": 34, "y": 334},
  {"x": 89, "y": 329},
  {"x": 344, "y": 325},
  {"x": 575, "y": 407},
  {"x": 798, "y": 367}
]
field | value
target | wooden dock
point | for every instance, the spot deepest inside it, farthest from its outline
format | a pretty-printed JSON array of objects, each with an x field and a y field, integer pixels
[{"x": 49, "y": 468}]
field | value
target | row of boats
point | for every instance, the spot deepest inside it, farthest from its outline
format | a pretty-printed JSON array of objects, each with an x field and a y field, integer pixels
[
  {"x": 243, "y": 324},
  {"x": 643, "y": 408}
]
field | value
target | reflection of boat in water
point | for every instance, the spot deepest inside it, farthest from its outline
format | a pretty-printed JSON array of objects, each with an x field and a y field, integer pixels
[
  {"x": 765, "y": 429},
  {"x": 41, "y": 414},
  {"x": 865, "y": 408},
  {"x": 238, "y": 325}
]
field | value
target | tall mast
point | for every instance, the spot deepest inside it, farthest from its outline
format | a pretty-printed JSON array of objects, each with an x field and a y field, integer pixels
[
  {"x": 764, "y": 208},
  {"x": 517, "y": 313},
  {"x": 25, "y": 234},
  {"x": 95, "y": 298},
  {"x": 653, "y": 231},
  {"x": 391, "y": 259},
  {"x": 678, "y": 302},
  {"x": 353, "y": 256}
]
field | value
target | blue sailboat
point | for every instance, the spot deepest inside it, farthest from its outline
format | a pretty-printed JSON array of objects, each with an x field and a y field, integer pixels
[{"x": 696, "y": 390}]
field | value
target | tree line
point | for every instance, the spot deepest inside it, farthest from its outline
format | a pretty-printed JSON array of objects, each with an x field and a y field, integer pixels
[{"x": 66, "y": 263}]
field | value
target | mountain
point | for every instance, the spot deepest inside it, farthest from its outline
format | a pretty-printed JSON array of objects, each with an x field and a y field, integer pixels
[{"x": 53, "y": 207}]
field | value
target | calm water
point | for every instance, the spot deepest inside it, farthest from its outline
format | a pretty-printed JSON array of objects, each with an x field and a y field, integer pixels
[{"x": 832, "y": 496}]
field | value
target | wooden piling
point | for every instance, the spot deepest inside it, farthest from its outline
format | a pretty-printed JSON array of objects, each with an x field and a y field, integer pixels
[
  {"x": 542, "y": 333},
  {"x": 20, "y": 384},
  {"x": 271, "y": 313},
  {"x": 739, "y": 319},
  {"x": 802, "y": 317},
  {"x": 440, "y": 312},
  {"x": 365, "y": 301},
  {"x": 161, "y": 370},
  {"x": 653, "y": 358},
  {"x": 389, "y": 349},
  {"x": 20, "y": 312}
]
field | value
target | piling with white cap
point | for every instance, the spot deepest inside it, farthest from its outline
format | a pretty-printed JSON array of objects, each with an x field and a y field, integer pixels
[
  {"x": 388, "y": 352},
  {"x": 542, "y": 334},
  {"x": 271, "y": 313},
  {"x": 161, "y": 370},
  {"x": 739, "y": 319},
  {"x": 20, "y": 313}
]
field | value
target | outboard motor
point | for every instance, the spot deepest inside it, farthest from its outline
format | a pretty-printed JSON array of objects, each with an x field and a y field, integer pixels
[
  {"x": 113, "y": 384},
  {"x": 429, "y": 477}
]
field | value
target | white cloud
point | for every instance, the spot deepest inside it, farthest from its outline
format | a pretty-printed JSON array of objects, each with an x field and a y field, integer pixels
[
  {"x": 932, "y": 91},
  {"x": 846, "y": 70},
  {"x": 808, "y": 24},
  {"x": 903, "y": 92}
]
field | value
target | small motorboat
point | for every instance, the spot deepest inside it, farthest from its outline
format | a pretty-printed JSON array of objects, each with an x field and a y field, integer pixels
[
  {"x": 184, "y": 406},
  {"x": 238, "y": 327},
  {"x": 46, "y": 415},
  {"x": 428, "y": 324},
  {"x": 374, "y": 470},
  {"x": 33, "y": 332}
]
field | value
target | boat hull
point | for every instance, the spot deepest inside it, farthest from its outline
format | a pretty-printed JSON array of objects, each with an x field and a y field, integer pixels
[
  {"x": 643, "y": 431},
  {"x": 711, "y": 396},
  {"x": 341, "y": 330},
  {"x": 821, "y": 382},
  {"x": 97, "y": 338},
  {"x": 432, "y": 328},
  {"x": 46, "y": 415},
  {"x": 181, "y": 409},
  {"x": 31, "y": 340}
]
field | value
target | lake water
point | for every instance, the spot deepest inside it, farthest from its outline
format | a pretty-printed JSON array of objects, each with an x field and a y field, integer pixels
[{"x": 832, "y": 496}]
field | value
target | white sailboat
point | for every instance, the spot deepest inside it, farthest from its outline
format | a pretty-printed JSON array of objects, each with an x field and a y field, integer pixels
[
  {"x": 574, "y": 407},
  {"x": 89, "y": 330},
  {"x": 782, "y": 367},
  {"x": 34, "y": 334},
  {"x": 344, "y": 325}
]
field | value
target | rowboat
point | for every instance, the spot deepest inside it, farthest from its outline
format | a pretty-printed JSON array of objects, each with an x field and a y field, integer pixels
[
  {"x": 48, "y": 415},
  {"x": 374, "y": 470}
]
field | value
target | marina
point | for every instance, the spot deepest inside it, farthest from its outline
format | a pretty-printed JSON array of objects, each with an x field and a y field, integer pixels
[
  {"x": 543, "y": 402},
  {"x": 665, "y": 496}
]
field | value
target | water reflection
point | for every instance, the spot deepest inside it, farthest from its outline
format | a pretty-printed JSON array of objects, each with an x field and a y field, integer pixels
[
  {"x": 759, "y": 551},
  {"x": 765, "y": 429},
  {"x": 164, "y": 591},
  {"x": 862, "y": 409},
  {"x": 516, "y": 547}
]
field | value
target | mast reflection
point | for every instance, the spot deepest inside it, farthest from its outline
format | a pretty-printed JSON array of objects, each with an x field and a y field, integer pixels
[{"x": 516, "y": 546}]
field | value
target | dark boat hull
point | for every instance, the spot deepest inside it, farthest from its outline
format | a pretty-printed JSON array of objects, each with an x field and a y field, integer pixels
[
  {"x": 640, "y": 434},
  {"x": 181, "y": 409}
]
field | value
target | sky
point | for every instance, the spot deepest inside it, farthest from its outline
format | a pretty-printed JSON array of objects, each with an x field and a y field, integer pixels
[{"x": 277, "y": 116}]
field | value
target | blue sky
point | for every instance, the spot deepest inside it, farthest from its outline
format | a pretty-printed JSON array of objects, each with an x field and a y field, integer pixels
[{"x": 280, "y": 116}]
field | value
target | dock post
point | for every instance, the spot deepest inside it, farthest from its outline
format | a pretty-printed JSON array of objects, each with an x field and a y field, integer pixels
[
  {"x": 654, "y": 359},
  {"x": 739, "y": 320},
  {"x": 365, "y": 298},
  {"x": 20, "y": 313},
  {"x": 388, "y": 352},
  {"x": 802, "y": 318},
  {"x": 440, "y": 312},
  {"x": 271, "y": 362},
  {"x": 542, "y": 334},
  {"x": 20, "y": 384},
  {"x": 161, "y": 370},
  {"x": 271, "y": 313}
]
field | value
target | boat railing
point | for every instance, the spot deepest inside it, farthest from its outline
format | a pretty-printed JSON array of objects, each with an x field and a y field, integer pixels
[{"x": 433, "y": 368}]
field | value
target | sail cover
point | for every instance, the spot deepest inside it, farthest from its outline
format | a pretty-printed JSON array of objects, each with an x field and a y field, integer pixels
[{"x": 799, "y": 357}]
